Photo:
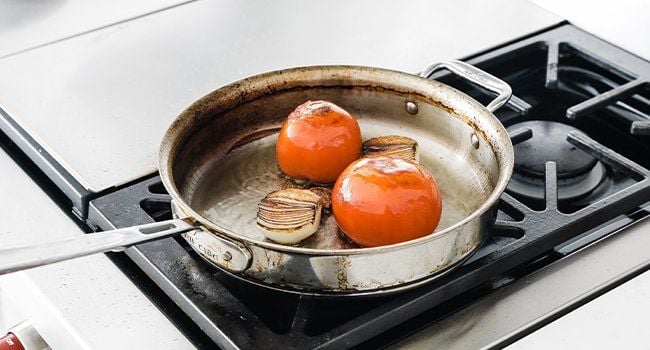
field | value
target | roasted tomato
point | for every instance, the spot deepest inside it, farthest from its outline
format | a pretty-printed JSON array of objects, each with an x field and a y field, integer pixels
[
  {"x": 385, "y": 200},
  {"x": 317, "y": 141}
]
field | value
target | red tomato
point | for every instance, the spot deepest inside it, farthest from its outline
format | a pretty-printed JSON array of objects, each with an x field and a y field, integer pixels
[
  {"x": 386, "y": 200},
  {"x": 317, "y": 141}
]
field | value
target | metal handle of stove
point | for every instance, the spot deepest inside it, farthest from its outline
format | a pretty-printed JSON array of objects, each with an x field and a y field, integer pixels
[
  {"x": 21, "y": 258},
  {"x": 476, "y": 76}
]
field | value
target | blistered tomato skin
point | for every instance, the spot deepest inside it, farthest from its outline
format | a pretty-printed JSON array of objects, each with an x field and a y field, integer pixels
[
  {"x": 386, "y": 200},
  {"x": 317, "y": 141}
]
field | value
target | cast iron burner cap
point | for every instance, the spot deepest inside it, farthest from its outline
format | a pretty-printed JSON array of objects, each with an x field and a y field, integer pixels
[
  {"x": 549, "y": 143},
  {"x": 578, "y": 173}
]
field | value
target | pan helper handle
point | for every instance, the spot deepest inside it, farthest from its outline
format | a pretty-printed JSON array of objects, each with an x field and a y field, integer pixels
[{"x": 476, "y": 76}]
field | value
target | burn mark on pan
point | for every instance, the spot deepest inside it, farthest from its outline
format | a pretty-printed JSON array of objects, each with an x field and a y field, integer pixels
[
  {"x": 342, "y": 264},
  {"x": 243, "y": 98},
  {"x": 274, "y": 260},
  {"x": 253, "y": 137}
]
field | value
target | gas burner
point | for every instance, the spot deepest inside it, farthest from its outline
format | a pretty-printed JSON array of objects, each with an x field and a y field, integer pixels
[
  {"x": 578, "y": 173},
  {"x": 549, "y": 143}
]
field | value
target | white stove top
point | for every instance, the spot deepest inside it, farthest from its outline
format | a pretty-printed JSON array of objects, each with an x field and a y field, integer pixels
[
  {"x": 28, "y": 24},
  {"x": 100, "y": 102}
]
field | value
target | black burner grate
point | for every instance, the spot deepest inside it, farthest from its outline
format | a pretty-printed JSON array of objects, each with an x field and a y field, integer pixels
[{"x": 547, "y": 73}]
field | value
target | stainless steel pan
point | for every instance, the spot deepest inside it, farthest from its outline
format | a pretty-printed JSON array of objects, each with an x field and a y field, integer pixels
[{"x": 217, "y": 161}]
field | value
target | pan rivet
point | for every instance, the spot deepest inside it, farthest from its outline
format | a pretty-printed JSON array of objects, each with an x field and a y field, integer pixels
[
  {"x": 226, "y": 256},
  {"x": 474, "y": 140},
  {"x": 411, "y": 107}
]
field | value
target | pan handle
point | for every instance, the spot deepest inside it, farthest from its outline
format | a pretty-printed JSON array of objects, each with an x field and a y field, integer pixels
[
  {"x": 476, "y": 76},
  {"x": 21, "y": 258}
]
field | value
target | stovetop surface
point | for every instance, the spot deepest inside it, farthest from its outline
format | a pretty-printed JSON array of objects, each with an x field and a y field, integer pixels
[
  {"x": 576, "y": 97},
  {"x": 25, "y": 25}
]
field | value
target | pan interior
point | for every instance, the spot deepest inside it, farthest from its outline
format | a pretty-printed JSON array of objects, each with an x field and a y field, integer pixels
[{"x": 231, "y": 183}]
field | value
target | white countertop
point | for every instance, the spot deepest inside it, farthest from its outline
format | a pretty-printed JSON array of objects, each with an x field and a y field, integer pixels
[
  {"x": 100, "y": 102},
  {"x": 625, "y": 23},
  {"x": 28, "y": 24},
  {"x": 616, "y": 320},
  {"x": 87, "y": 303}
]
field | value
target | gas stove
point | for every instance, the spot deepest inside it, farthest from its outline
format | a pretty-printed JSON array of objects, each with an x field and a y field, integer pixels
[
  {"x": 580, "y": 122},
  {"x": 579, "y": 119}
]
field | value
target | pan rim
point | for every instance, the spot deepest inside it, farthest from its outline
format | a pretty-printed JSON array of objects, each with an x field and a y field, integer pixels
[{"x": 505, "y": 155}]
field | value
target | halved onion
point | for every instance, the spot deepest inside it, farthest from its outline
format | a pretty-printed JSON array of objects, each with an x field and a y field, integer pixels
[{"x": 288, "y": 216}]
